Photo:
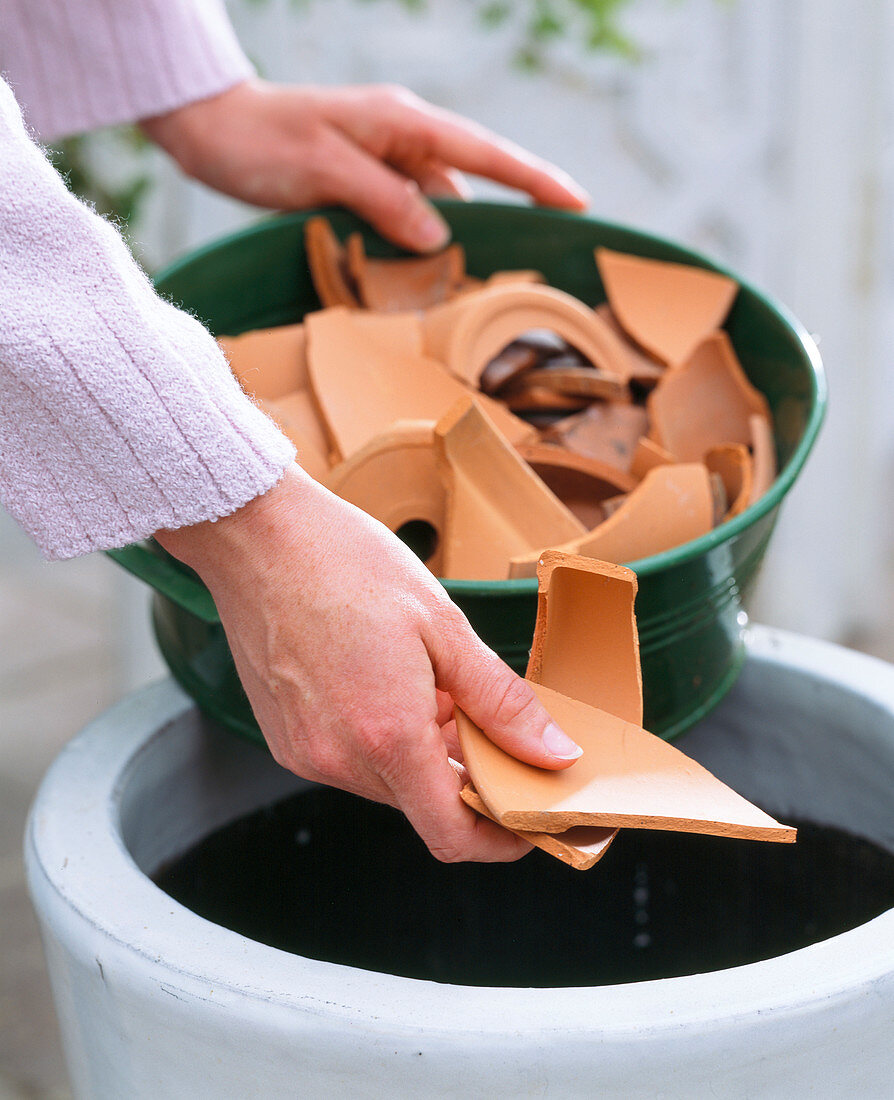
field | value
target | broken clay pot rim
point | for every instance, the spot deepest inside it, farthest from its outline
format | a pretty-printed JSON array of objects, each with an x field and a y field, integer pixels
[{"x": 629, "y": 239}]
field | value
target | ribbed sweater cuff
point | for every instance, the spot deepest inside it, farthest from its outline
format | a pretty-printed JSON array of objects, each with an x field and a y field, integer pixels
[
  {"x": 77, "y": 66},
  {"x": 118, "y": 412}
]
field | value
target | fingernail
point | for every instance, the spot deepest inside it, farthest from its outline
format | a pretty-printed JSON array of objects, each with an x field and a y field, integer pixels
[
  {"x": 431, "y": 231},
  {"x": 557, "y": 743}
]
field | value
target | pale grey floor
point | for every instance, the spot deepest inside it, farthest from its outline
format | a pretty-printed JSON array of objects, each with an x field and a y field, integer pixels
[{"x": 65, "y": 655}]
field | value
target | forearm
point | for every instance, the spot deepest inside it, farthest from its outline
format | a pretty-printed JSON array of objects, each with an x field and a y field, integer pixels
[
  {"x": 118, "y": 414},
  {"x": 95, "y": 63}
]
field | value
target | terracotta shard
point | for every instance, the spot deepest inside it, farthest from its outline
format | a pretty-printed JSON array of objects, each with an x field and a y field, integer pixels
[
  {"x": 587, "y": 383},
  {"x": 467, "y": 333},
  {"x": 763, "y": 451},
  {"x": 514, "y": 359},
  {"x": 581, "y": 483},
  {"x": 496, "y": 505},
  {"x": 296, "y": 417},
  {"x": 643, "y": 369},
  {"x": 368, "y": 370},
  {"x": 328, "y": 265},
  {"x": 268, "y": 363},
  {"x": 586, "y": 643},
  {"x": 395, "y": 479},
  {"x": 733, "y": 464},
  {"x": 647, "y": 455},
  {"x": 524, "y": 275},
  {"x": 398, "y": 285},
  {"x": 608, "y": 432},
  {"x": 626, "y": 777},
  {"x": 539, "y": 399},
  {"x": 705, "y": 402},
  {"x": 672, "y": 505},
  {"x": 667, "y": 308},
  {"x": 580, "y": 847}
]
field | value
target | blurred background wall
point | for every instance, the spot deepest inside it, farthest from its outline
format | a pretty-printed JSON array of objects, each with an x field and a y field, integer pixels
[{"x": 761, "y": 133}]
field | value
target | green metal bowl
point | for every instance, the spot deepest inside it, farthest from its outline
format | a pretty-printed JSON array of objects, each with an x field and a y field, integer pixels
[{"x": 689, "y": 608}]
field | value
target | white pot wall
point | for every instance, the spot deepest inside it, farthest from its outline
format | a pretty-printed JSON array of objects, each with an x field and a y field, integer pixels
[{"x": 157, "y": 1002}]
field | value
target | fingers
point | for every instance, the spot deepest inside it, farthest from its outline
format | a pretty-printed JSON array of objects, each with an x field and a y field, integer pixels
[
  {"x": 501, "y": 703},
  {"x": 393, "y": 204},
  {"x": 440, "y": 182},
  {"x": 472, "y": 148},
  {"x": 428, "y": 793}
]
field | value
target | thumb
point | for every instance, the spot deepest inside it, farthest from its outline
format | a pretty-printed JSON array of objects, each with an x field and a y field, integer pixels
[{"x": 502, "y": 704}]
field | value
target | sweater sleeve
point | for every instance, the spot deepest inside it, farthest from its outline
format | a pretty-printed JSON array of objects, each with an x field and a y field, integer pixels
[
  {"x": 79, "y": 65},
  {"x": 118, "y": 412}
]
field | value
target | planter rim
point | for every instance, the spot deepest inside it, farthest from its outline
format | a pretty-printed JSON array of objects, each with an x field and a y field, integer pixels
[
  {"x": 79, "y": 801},
  {"x": 667, "y": 559}
]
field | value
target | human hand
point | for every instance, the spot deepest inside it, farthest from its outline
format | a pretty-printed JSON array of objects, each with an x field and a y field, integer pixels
[
  {"x": 352, "y": 655},
  {"x": 377, "y": 150}
]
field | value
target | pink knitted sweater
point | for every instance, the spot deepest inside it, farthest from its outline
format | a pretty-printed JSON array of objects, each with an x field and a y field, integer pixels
[{"x": 118, "y": 413}]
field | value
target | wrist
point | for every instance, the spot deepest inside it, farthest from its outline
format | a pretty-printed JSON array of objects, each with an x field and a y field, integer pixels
[{"x": 253, "y": 533}]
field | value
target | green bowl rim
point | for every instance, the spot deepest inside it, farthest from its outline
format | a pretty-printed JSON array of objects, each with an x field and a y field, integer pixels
[{"x": 667, "y": 559}]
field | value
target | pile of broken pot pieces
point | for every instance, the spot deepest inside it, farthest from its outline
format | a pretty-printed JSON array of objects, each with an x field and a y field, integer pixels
[
  {"x": 508, "y": 416},
  {"x": 585, "y": 668}
]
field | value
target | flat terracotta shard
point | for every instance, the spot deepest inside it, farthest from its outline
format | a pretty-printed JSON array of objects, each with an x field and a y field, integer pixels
[
  {"x": 581, "y": 483},
  {"x": 626, "y": 777},
  {"x": 328, "y": 265},
  {"x": 580, "y": 848},
  {"x": 539, "y": 399},
  {"x": 671, "y": 505},
  {"x": 296, "y": 416},
  {"x": 733, "y": 464},
  {"x": 399, "y": 285},
  {"x": 705, "y": 402},
  {"x": 268, "y": 363},
  {"x": 525, "y": 276},
  {"x": 587, "y": 383},
  {"x": 586, "y": 643},
  {"x": 395, "y": 479},
  {"x": 514, "y": 359},
  {"x": 607, "y": 432},
  {"x": 763, "y": 451},
  {"x": 467, "y": 333},
  {"x": 642, "y": 368},
  {"x": 496, "y": 505},
  {"x": 666, "y": 308},
  {"x": 368, "y": 370}
]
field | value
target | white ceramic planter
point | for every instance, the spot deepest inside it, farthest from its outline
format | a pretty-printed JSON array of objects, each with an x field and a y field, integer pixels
[{"x": 155, "y": 1002}]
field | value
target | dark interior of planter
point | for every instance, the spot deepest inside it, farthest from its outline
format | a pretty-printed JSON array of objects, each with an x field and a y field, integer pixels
[{"x": 333, "y": 877}]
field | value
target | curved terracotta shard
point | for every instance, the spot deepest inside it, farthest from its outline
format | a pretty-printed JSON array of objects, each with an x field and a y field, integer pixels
[
  {"x": 667, "y": 308},
  {"x": 581, "y": 483},
  {"x": 268, "y": 363},
  {"x": 296, "y": 417},
  {"x": 368, "y": 370},
  {"x": 672, "y": 505},
  {"x": 580, "y": 848},
  {"x": 647, "y": 455},
  {"x": 496, "y": 504},
  {"x": 626, "y": 777},
  {"x": 586, "y": 643},
  {"x": 397, "y": 285},
  {"x": 705, "y": 402},
  {"x": 733, "y": 464},
  {"x": 525, "y": 276},
  {"x": 328, "y": 265},
  {"x": 467, "y": 333},
  {"x": 607, "y": 432},
  {"x": 763, "y": 451},
  {"x": 395, "y": 479}
]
